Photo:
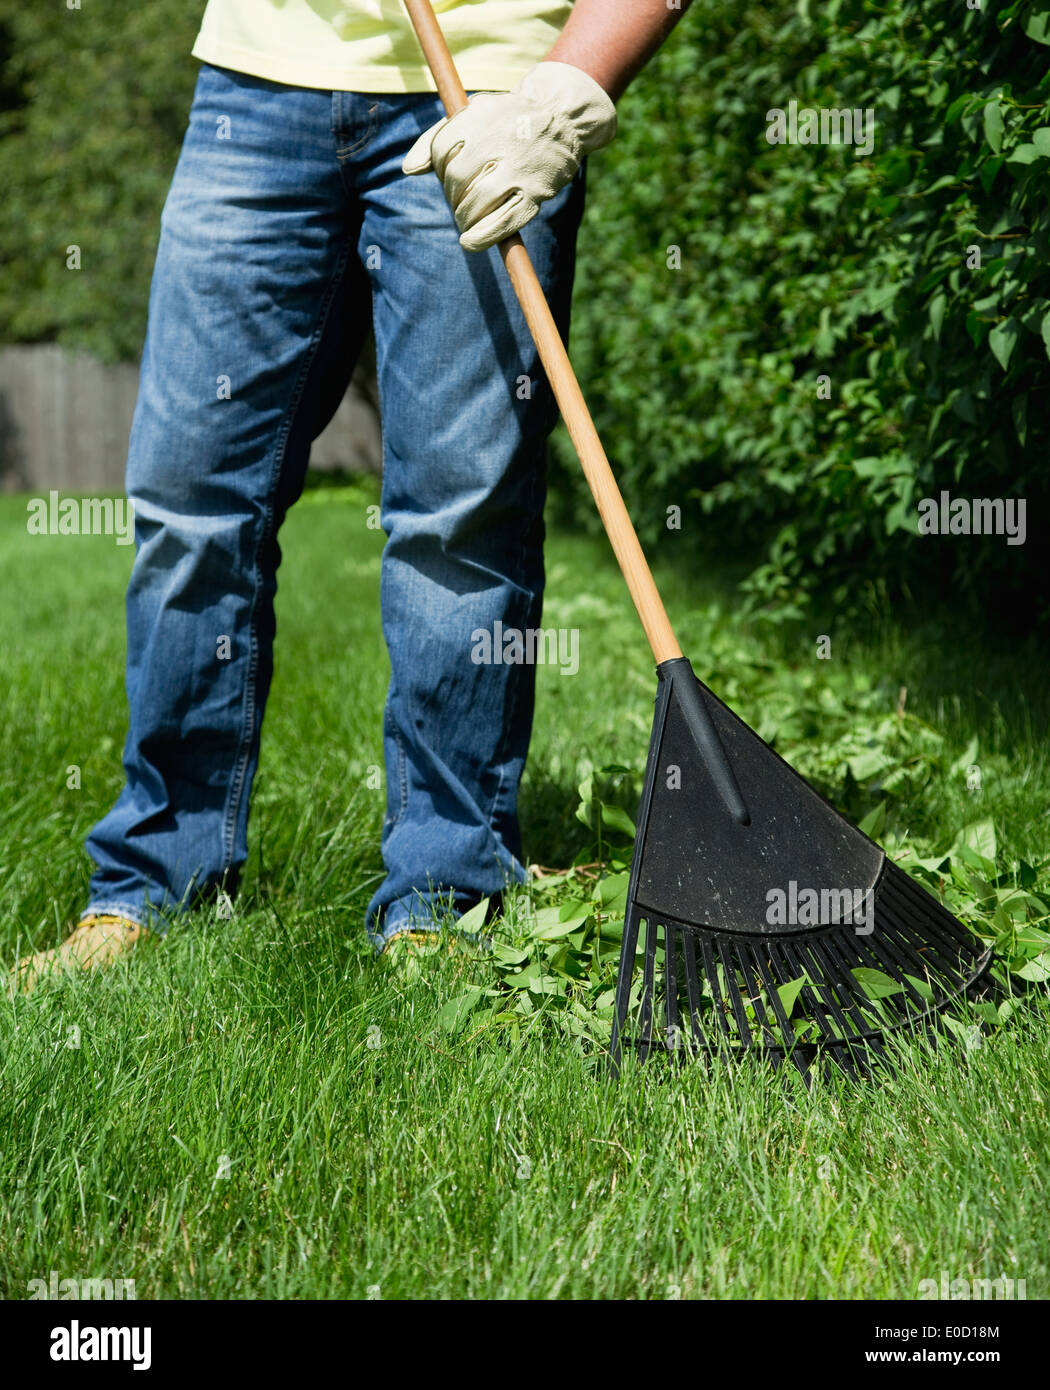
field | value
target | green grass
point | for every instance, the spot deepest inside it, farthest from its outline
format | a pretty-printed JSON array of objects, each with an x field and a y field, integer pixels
[{"x": 371, "y": 1148}]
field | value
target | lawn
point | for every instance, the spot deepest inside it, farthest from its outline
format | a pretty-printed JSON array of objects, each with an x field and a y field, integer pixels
[{"x": 258, "y": 1107}]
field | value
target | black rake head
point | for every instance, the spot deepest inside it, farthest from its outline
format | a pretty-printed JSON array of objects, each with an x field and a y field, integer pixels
[{"x": 759, "y": 921}]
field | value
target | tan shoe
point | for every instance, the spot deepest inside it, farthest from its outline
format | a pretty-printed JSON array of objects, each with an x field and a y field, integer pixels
[{"x": 98, "y": 940}]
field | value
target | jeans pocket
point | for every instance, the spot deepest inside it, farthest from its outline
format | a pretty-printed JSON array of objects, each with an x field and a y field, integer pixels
[{"x": 357, "y": 132}]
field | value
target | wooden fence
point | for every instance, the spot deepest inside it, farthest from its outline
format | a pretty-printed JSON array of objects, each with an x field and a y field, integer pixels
[{"x": 65, "y": 421}]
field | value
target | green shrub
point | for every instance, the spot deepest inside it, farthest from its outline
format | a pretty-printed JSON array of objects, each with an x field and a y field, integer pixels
[
  {"x": 798, "y": 261},
  {"x": 93, "y": 105}
]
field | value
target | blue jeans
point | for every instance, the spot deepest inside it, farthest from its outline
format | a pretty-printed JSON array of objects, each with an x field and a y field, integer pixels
[{"x": 288, "y": 213}]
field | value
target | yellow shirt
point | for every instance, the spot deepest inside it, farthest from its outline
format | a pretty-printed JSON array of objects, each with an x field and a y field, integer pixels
[{"x": 369, "y": 45}]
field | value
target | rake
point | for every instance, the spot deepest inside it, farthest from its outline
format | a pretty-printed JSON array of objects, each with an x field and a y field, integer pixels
[{"x": 765, "y": 922}]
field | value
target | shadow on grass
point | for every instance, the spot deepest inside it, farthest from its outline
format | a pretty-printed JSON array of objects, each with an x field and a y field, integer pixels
[{"x": 553, "y": 836}]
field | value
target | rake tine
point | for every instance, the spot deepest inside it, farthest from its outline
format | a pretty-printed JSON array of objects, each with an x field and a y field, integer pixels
[
  {"x": 887, "y": 1009},
  {"x": 883, "y": 952},
  {"x": 843, "y": 1056},
  {"x": 787, "y": 971},
  {"x": 671, "y": 975},
  {"x": 758, "y": 1004},
  {"x": 844, "y": 985},
  {"x": 645, "y": 1022},
  {"x": 935, "y": 971},
  {"x": 692, "y": 986},
  {"x": 829, "y": 1002},
  {"x": 793, "y": 967},
  {"x": 711, "y": 971},
  {"x": 739, "y": 952},
  {"x": 790, "y": 1048},
  {"x": 843, "y": 1024},
  {"x": 807, "y": 993},
  {"x": 733, "y": 991},
  {"x": 940, "y": 921},
  {"x": 876, "y": 1047},
  {"x": 769, "y": 984},
  {"x": 623, "y": 985},
  {"x": 899, "y": 959},
  {"x": 931, "y": 942},
  {"x": 855, "y": 998},
  {"x": 934, "y": 957}
]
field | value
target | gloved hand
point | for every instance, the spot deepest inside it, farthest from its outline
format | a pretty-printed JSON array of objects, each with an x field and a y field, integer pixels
[{"x": 506, "y": 152}]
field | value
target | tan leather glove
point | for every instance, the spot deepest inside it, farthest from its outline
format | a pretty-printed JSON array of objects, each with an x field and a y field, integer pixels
[{"x": 506, "y": 152}]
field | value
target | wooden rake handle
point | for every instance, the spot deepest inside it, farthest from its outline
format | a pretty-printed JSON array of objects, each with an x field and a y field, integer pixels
[{"x": 559, "y": 371}]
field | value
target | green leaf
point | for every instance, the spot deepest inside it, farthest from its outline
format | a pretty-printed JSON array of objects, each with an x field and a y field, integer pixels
[
  {"x": 522, "y": 979},
  {"x": 989, "y": 169},
  {"x": 966, "y": 759},
  {"x": 938, "y": 304},
  {"x": 1032, "y": 936},
  {"x": 585, "y": 809},
  {"x": 1041, "y": 139},
  {"x": 875, "y": 466},
  {"x": 451, "y": 1017},
  {"x": 545, "y": 984},
  {"x": 474, "y": 919},
  {"x": 969, "y": 1034},
  {"x": 612, "y": 890},
  {"x": 555, "y": 931},
  {"x": 962, "y": 401},
  {"x": 789, "y": 993},
  {"x": 979, "y": 836},
  {"x": 1019, "y": 412},
  {"x": 1037, "y": 27},
  {"x": 572, "y": 907},
  {"x": 824, "y": 339},
  {"x": 993, "y": 125},
  {"x": 1036, "y": 971},
  {"x": 508, "y": 955},
  {"x": 616, "y": 818},
  {"x": 875, "y": 983},
  {"x": 1003, "y": 339},
  {"x": 547, "y": 916},
  {"x": 864, "y": 766},
  {"x": 932, "y": 863},
  {"x": 874, "y": 823},
  {"x": 921, "y": 987}
]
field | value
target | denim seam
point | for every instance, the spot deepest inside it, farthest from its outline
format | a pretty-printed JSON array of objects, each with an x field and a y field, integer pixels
[
  {"x": 131, "y": 914},
  {"x": 402, "y": 758},
  {"x": 237, "y": 782},
  {"x": 339, "y": 120},
  {"x": 402, "y": 775},
  {"x": 509, "y": 722},
  {"x": 344, "y": 151}
]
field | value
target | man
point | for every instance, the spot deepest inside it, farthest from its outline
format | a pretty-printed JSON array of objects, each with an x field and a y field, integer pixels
[{"x": 288, "y": 216}]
